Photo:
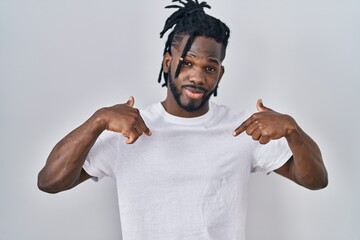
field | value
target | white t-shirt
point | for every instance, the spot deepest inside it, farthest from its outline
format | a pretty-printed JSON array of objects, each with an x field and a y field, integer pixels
[{"x": 189, "y": 180}]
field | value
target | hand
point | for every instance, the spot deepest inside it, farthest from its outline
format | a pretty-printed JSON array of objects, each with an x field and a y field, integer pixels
[
  {"x": 125, "y": 119},
  {"x": 266, "y": 125}
]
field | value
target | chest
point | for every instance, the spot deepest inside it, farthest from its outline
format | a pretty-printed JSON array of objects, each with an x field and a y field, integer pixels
[{"x": 184, "y": 156}]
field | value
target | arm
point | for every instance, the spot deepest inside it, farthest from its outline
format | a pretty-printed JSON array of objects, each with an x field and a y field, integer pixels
[
  {"x": 306, "y": 166},
  {"x": 63, "y": 169}
]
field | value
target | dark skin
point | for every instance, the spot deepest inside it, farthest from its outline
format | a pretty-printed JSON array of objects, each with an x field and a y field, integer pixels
[
  {"x": 63, "y": 169},
  {"x": 202, "y": 69},
  {"x": 306, "y": 166}
]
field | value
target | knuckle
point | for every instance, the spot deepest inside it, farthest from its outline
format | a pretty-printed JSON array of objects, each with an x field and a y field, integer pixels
[
  {"x": 253, "y": 117},
  {"x": 267, "y": 134},
  {"x": 136, "y": 110},
  {"x": 137, "y": 116}
]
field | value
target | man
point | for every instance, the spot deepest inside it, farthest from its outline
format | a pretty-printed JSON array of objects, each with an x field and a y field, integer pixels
[{"x": 188, "y": 177}]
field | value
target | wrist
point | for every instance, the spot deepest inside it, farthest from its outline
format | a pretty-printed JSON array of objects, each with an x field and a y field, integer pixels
[
  {"x": 99, "y": 120},
  {"x": 292, "y": 128}
]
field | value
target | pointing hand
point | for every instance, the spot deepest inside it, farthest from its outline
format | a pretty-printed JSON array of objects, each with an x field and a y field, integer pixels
[
  {"x": 266, "y": 125},
  {"x": 125, "y": 119}
]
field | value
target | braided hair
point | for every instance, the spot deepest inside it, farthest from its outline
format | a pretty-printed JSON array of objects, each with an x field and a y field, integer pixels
[{"x": 191, "y": 20}]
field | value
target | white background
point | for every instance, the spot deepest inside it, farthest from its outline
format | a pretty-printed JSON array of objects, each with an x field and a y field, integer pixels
[{"x": 62, "y": 60}]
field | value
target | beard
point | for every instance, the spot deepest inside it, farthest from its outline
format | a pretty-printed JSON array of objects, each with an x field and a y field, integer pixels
[{"x": 191, "y": 106}]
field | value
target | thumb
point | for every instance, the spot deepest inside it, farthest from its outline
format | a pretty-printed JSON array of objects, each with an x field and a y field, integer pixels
[
  {"x": 131, "y": 101},
  {"x": 260, "y": 106}
]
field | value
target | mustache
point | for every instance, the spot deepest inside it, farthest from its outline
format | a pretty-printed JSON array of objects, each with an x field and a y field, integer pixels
[{"x": 195, "y": 87}]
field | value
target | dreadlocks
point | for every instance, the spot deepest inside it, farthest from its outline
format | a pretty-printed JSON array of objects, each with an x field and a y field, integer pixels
[{"x": 191, "y": 20}]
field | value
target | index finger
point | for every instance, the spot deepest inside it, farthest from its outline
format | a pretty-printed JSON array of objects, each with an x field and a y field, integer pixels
[
  {"x": 144, "y": 128},
  {"x": 136, "y": 133},
  {"x": 243, "y": 126}
]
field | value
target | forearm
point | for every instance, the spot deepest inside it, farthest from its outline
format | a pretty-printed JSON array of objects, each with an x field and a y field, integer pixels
[
  {"x": 63, "y": 166},
  {"x": 307, "y": 167}
]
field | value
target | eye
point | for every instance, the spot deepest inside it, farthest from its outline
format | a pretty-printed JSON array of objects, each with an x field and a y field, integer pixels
[
  {"x": 186, "y": 63},
  {"x": 210, "y": 69}
]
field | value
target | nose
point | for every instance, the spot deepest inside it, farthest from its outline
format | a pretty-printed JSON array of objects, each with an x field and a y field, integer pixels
[{"x": 197, "y": 76}]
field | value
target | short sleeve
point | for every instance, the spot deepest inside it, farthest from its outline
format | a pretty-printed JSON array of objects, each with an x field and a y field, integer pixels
[
  {"x": 102, "y": 156},
  {"x": 271, "y": 156}
]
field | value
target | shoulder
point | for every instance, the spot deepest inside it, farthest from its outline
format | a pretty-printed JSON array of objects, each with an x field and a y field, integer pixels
[
  {"x": 151, "y": 110},
  {"x": 152, "y": 113},
  {"x": 226, "y": 113}
]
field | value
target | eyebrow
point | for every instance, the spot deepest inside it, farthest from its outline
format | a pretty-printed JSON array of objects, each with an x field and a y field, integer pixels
[
  {"x": 214, "y": 60},
  {"x": 211, "y": 59}
]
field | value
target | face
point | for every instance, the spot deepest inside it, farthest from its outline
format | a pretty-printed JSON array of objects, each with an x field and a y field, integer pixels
[{"x": 200, "y": 73}]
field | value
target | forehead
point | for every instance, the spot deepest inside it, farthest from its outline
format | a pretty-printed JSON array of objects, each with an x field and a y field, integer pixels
[{"x": 203, "y": 46}]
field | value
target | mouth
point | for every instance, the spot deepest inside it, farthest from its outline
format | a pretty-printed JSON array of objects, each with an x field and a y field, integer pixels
[{"x": 194, "y": 92}]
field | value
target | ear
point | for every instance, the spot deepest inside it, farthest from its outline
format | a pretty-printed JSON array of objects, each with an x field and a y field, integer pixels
[
  {"x": 166, "y": 62},
  {"x": 220, "y": 76},
  {"x": 222, "y": 71}
]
